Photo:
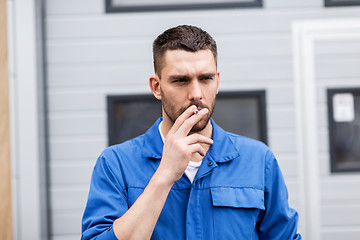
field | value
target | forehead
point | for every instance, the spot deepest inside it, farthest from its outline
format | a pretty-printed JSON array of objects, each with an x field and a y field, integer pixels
[{"x": 185, "y": 62}]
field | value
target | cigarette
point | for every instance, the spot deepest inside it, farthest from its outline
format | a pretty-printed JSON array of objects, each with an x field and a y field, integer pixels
[{"x": 196, "y": 111}]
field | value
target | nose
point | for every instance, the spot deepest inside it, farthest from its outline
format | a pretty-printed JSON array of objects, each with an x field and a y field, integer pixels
[{"x": 195, "y": 91}]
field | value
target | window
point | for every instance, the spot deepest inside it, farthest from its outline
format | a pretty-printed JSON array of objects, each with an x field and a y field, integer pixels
[
  {"x": 170, "y": 5},
  {"x": 237, "y": 112},
  {"x": 338, "y": 3},
  {"x": 344, "y": 129}
]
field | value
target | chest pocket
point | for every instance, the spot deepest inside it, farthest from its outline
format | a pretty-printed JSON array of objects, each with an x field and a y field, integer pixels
[
  {"x": 237, "y": 197},
  {"x": 237, "y": 211}
]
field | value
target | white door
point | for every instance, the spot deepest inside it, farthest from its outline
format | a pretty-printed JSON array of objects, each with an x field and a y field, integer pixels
[{"x": 326, "y": 55}]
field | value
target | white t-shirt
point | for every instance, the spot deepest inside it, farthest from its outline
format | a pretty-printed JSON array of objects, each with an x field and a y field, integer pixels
[{"x": 192, "y": 167}]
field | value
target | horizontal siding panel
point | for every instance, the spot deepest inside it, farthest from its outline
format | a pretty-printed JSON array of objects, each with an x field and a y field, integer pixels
[
  {"x": 293, "y": 191},
  {"x": 85, "y": 74},
  {"x": 321, "y": 97},
  {"x": 286, "y": 157},
  {"x": 66, "y": 223},
  {"x": 100, "y": 51},
  {"x": 257, "y": 45},
  {"x": 69, "y": 200},
  {"x": 282, "y": 142},
  {"x": 84, "y": 149},
  {"x": 248, "y": 70},
  {"x": 65, "y": 237},
  {"x": 91, "y": 99},
  {"x": 279, "y": 95},
  {"x": 322, "y": 118},
  {"x": 340, "y": 215},
  {"x": 342, "y": 47},
  {"x": 85, "y": 124},
  {"x": 337, "y": 68},
  {"x": 323, "y": 140},
  {"x": 112, "y": 25},
  {"x": 227, "y": 22},
  {"x": 352, "y": 82},
  {"x": 70, "y": 101},
  {"x": 341, "y": 233},
  {"x": 274, "y": 4},
  {"x": 324, "y": 164},
  {"x": 78, "y": 7},
  {"x": 71, "y": 172},
  {"x": 281, "y": 118},
  {"x": 288, "y": 167},
  {"x": 340, "y": 189}
]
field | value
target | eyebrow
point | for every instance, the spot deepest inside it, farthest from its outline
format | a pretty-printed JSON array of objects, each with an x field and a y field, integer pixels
[
  {"x": 206, "y": 75},
  {"x": 186, "y": 77},
  {"x": 177, "y": 77}
]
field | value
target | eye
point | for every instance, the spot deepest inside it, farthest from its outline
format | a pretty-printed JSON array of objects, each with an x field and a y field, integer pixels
[
  {"x": 207, "y": 77},
  {"x": 180, "y": 80}
]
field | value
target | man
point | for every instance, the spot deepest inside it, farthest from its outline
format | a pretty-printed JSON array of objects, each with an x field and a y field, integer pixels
[{"x": 186, "y": 178}]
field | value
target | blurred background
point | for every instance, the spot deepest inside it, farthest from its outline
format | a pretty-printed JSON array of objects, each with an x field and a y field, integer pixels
[{"x": 71, "y": 72}]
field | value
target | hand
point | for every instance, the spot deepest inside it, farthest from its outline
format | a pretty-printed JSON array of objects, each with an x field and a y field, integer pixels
[{"x": 179, "y": 146}]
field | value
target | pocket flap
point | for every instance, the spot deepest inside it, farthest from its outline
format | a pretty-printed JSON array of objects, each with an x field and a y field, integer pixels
[{"x": 238, "y": 197}]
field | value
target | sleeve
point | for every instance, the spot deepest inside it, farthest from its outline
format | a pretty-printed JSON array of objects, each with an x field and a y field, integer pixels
[
  {"x": 107, "y": 201},
  {"x": 278, "y": 221}
]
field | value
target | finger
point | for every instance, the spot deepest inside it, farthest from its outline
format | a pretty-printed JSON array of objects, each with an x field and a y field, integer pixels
[
  {"x": 189, "y": 123},
  {"x": 180, "y": 120},
  {"x": 198, "y": 138},
  {"x": 197, "y": 148}
]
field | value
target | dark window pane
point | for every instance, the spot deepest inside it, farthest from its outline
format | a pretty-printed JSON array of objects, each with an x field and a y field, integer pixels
[
  {"x": 344, "y": 129},
  {"x": 241, "y": 113}
]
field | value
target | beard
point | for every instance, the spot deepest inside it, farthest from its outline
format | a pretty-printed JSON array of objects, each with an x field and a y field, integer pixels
[{"x": 172, "y": 113}]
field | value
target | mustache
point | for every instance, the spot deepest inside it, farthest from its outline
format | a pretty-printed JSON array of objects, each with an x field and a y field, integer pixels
[{"x": 198, "y": 104}]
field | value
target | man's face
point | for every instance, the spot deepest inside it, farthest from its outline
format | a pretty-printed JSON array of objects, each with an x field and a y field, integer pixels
[{"x": 188, "y": 78}]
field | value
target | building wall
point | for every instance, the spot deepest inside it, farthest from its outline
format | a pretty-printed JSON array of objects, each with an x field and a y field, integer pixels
[{"x": 91, "y": 54}]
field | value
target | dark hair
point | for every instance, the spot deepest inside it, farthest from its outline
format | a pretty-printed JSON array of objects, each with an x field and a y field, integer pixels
[{"x": 184, "y": 37}]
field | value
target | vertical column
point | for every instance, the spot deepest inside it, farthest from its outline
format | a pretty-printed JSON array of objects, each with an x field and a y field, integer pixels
[
  {"x": 5, "y": 174},
  {"x": 27, "y": 119}
]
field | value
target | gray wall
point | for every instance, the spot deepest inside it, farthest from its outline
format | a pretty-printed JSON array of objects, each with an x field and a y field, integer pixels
[{"x": 91, "y": 54}]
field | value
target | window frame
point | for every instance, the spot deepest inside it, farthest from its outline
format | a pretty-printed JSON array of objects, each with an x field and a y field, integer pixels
[
  {"x": 111, "y": 8},
  {"x": 334, "y": 162},
  {"x": 260, "y": 95},
  {"x": 341, "y": 3}
]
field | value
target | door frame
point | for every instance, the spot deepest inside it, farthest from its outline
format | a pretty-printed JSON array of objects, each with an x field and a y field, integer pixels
[{"x": 304, "y": 34}]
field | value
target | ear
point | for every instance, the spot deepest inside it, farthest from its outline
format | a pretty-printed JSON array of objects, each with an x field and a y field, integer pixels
[
  {"x": 154, "y": 83},
  {"x": 218, "y": 82}
]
